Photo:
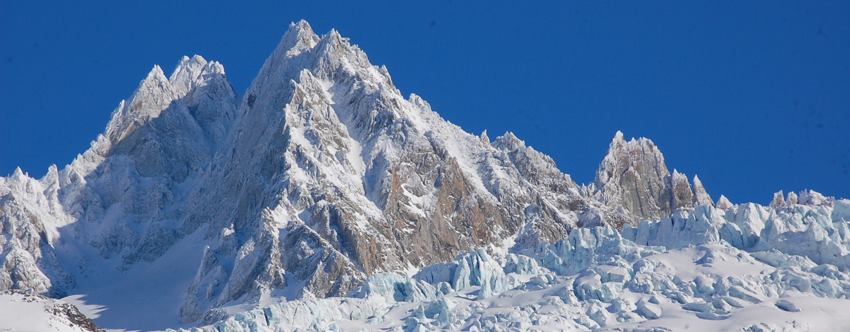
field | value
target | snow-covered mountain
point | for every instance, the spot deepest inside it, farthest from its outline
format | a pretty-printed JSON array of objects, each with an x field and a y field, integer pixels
[{"x": 322, "y": 197}]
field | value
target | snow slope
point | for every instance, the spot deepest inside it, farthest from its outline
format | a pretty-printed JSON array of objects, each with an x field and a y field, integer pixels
[{"x": 24, "y": 312}]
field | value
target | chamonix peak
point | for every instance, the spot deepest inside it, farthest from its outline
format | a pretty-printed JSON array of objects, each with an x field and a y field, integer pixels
[{"x": 321, "y": 198}]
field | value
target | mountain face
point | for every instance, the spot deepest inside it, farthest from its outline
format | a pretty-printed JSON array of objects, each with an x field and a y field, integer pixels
[{"x": 320, "y": 177}]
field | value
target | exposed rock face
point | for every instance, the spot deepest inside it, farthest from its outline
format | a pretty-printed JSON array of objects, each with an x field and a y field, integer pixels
[
  {"x": 322, "y": 175},
  {"x": 681, "y": 191},
  {"x": 633, "y": 176}
]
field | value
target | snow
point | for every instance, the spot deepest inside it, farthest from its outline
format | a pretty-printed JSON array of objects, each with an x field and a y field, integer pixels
[
  {"x": 146, "y": 297},
  {"x": 22, "y": 312},
  {"x": 594, "y": 279},
  {"x": 818, "y": 314}
]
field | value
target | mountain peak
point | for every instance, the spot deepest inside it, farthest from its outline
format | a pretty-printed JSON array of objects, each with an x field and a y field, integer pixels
[
  {"x": 187, "y": 70},
  {"x": 633, "y": 173},
  {"x": 298, "y": 37},
  {"x": 508, "y": 141},
  {"x": 155, "y": 75},
  {"x": 623, "y": 155},
  {"x": 333, "y": 35},
  {"x": 155, "y": 82},
  {"x": 778, "y": 199},
  {"x": 192, "y": 72},
  {"x": 682, "y": 196},
  {"x": 18, "y": 173},
  {"x": 618, "y": 136},
  {"x": 153, "y": 95},
  {"x": 723, "y": 203},
  {"x": 701, "y": 196},
  {"x": 156, "y": 93},
  {"x": 299, "y": 26},
  {"x": 485, "y": 139},
  {"x": 195, "y": 62}
]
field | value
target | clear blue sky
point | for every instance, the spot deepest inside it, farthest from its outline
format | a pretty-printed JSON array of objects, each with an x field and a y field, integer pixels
[{"x": 754, "y": 96}]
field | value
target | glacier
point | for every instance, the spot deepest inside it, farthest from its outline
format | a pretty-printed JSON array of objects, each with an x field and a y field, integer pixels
[
  {"x": 694, "y": 270},
  {"x": 323, "y": 199}
]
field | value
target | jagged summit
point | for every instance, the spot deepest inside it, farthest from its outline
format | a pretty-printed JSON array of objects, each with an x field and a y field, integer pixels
[
  {"x": 18, "y": 173},
  {"x": 633, "y": 175},
  {"x": 153, "y": 95},
  {"x": 193, "y": 78},
  {"x": 298, "y": 37},
  {"x": 189, "y": 70},
  {"x": 701, "y": 196}
]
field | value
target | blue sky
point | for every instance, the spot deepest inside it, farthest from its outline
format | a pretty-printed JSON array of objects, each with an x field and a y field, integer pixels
[{"x": 754, "y": 96}]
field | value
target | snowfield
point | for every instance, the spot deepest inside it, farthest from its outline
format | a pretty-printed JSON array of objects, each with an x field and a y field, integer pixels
[{"x": 24, "y": 312}]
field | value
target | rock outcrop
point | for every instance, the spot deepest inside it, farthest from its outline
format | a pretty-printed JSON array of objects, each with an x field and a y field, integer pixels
[{"x": 633, "y": 176}]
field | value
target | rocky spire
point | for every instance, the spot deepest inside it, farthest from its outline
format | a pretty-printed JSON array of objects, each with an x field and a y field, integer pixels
[
  {"x": 701, "y": 196},
  {"x": 18, "y": 174},
  {"x": 508, "y": 141},
  {"x": 207, "y": 95},
  {"x": 298, "y": 37},
  {"x": 792, "y": 198},
  {"x": 187, "y": 71},
  {"x": 778, "y": 199},
  {"x": 633, "y": 174},
  {"x": 153, "y": 95},
  {"x": 683, "y": 196},
  {"x": 196, "y": 84},
  {"x": 723, "y": 203},
  {"x": 485, "y": 139},
  {"x": 811, "y": 197}
]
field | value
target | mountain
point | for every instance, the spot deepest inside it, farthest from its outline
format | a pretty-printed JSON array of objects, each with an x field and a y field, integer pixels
[{"x": 323, "y": 188}]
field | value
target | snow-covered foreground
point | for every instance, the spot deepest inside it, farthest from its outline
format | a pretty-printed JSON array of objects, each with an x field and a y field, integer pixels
[
  {"x": 147, "y": 297},
  {"x": 22, "y": 312},
  {"x": 707, "y": 269}
]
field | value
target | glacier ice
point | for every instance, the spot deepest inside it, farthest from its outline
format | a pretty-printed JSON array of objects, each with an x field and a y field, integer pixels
[{"x": 601, "y": 278}]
